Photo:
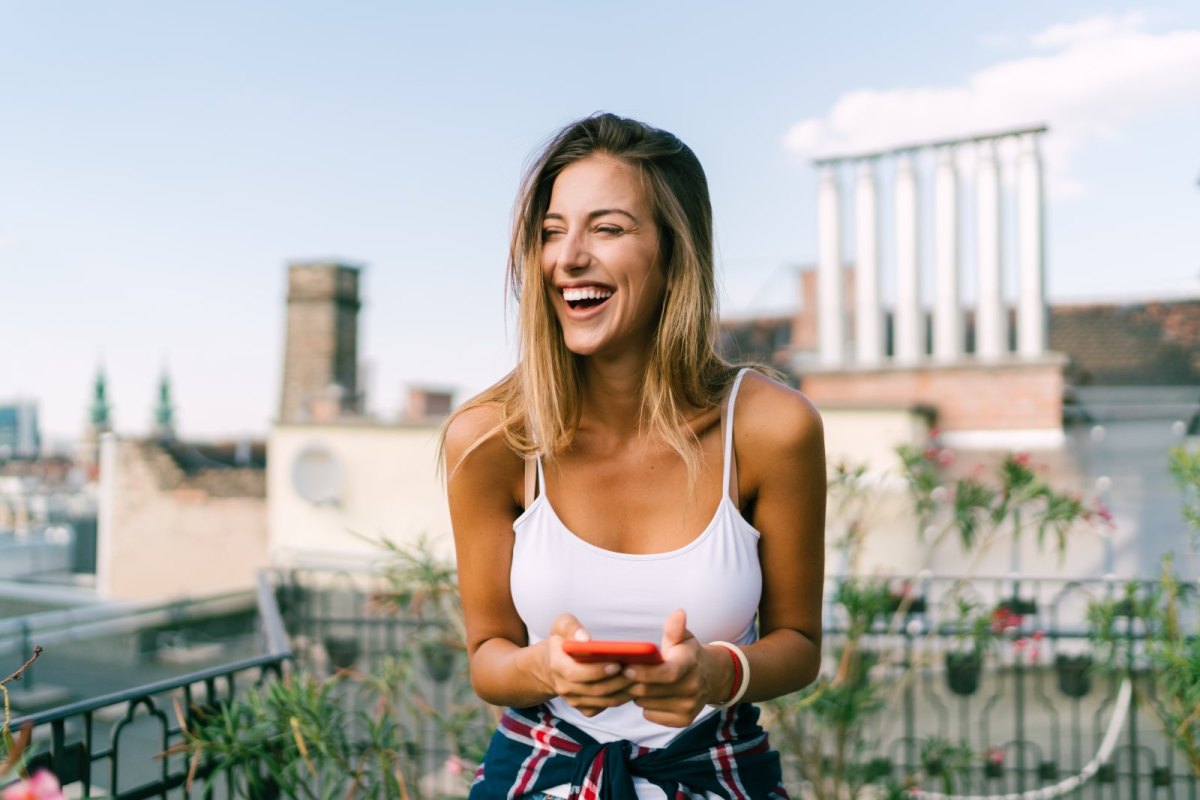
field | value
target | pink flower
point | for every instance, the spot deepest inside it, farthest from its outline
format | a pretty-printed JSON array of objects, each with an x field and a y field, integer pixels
[
  {"x": 995, "y": 755},
  {"x": 41, "y": 786},
  {"x": 1022, "y": 459},
  {"x": 1102, "y": 512}
]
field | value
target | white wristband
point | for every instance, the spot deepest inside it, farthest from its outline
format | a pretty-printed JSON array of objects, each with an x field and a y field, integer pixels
[{"x": 741, "y": 689}]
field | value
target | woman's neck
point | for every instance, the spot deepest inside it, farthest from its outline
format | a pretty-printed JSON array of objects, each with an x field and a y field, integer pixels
[{"x": 612, "y": 393}]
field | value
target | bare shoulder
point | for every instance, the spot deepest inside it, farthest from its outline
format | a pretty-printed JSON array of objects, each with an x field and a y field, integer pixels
[
  {"x": 771, "y": 415},
  {"x": 475, "y": 442}
]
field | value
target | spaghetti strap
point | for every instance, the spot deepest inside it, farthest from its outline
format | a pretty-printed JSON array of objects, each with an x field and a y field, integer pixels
[
  {"x": 727, "y": 470},
  {"x": 535, "y": 480}
]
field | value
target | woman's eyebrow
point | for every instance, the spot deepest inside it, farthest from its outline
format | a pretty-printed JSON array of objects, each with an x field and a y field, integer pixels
[{"x": 600, "y": 212}]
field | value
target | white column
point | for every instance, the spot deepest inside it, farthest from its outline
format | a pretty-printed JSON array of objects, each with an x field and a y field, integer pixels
[
  {"x": 947, "y": 308},
  {"x": 1031, "y": 284},
  {"x": 868, "y": 314},
  {"x": 831, "y": 332},
  {"x": 989, "y": 311},
  {"x": 909, "y": 328}
]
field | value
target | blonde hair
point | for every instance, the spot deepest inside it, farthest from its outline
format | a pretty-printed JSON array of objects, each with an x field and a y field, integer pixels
[{"x": 540, "y": 401}]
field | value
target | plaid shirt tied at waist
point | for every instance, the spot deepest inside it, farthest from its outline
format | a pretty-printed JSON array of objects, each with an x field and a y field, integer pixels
[{"x": 726, "y": 755}]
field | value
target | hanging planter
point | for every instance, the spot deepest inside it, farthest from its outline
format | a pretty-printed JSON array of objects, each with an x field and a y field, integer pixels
[
  {"x": 439, "y": 658},
  {"x": 963, "y": 670},
  {"x": 1074, "y": 673},
  {"x": 343, "y": 651}
]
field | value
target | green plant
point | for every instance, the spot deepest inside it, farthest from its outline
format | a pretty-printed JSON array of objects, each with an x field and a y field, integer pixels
[
  {"x": 826, "y": 730},
  {"x": 1166, "y": 647},
  {"x": 1184, "y": 464},
  {"x": 950, "y": 763},
  {"x": 295, "y": 738},
  {"x": 1175, "y": 657}
]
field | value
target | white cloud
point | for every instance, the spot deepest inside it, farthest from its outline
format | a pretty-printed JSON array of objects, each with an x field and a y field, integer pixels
[
  {"x": 1088, "y": 80},
  {"x": 1092, "y": 28}
]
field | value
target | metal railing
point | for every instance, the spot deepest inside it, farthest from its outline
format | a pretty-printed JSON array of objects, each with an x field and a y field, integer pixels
[{"x": 118, "y": 744}]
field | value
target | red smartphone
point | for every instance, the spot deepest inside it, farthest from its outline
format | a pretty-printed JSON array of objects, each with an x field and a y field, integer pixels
[{"x": 620, "y": 652}]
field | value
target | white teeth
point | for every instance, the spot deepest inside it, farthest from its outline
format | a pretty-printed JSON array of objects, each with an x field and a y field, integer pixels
[{"x": 586, "y": 293}]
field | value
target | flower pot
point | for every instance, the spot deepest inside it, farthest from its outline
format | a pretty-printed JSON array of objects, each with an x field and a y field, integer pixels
[
  {"x": 879, "y": 768},
  {"x": 1023, "y": 606},
  {"x": 343, "y": 651},
  {"x": 916, "y": 604},
  {"x": 439, "y": 659},
  {"x": 1074, "y": 674},
  {"x": 963, "y": 671}
]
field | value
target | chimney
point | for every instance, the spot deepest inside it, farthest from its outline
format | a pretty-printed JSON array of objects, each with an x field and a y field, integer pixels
[{"x": 321, "y": 344}]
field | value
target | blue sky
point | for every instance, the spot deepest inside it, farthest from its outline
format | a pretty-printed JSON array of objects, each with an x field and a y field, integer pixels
[{"x": 160, "y": 162}]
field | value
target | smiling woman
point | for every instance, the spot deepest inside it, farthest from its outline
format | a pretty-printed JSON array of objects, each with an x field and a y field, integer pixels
[{"x": 602, "y": 494}]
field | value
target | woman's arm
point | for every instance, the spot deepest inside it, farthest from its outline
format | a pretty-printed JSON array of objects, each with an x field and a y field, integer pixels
[
  {"x": 782, "y": 474},
  {"x": 485, "y": 488},
  {"x": 781, "y": 479}
]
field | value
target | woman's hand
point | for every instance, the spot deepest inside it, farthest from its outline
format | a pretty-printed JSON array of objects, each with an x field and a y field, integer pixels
[
  {"x": 691, "y": 676},
  {"x": 590, "y": 688}
]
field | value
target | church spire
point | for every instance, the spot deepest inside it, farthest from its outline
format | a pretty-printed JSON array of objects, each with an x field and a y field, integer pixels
[
  {"x": 164, "y": 411},
  {"x": 100, "y": 413}
]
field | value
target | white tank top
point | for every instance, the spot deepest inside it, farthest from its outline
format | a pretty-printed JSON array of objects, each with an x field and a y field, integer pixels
[{"x": 716, "y": 578}]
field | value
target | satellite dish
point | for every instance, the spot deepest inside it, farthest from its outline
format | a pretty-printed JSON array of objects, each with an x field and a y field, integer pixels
[{"x": 317, "y": 475}]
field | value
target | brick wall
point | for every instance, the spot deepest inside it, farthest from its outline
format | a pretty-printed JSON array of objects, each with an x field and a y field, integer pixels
[{"x": 1009, "y": 395}]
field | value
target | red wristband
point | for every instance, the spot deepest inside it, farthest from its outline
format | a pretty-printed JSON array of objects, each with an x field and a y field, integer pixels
[{"x": 738, "y": 676}]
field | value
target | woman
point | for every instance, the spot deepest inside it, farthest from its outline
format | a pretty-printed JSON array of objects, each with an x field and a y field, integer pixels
[{"x": 603, "y": 491}]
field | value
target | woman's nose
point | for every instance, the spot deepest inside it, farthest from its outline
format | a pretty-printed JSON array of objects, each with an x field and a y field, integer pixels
[{"x": 574, "y": 253}]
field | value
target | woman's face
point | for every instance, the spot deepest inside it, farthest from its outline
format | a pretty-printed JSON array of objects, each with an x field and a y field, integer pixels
[{"x": 600, "y": 261}]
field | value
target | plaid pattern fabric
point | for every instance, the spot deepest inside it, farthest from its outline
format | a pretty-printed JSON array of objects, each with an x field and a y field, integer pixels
[{"x": 726, "y": 755}]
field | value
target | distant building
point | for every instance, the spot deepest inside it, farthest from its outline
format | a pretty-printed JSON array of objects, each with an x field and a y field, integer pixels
[
  {"x": 320, "y": 362},
  {"x": 20, "y": 436},
  {"x": 1150, "y": 347},
  {"x": 338, "y": 478},
  {"x": 179, "y": 519}
]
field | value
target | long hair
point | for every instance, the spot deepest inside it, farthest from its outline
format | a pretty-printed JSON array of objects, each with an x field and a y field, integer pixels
[{"x": 540, "y": 400}]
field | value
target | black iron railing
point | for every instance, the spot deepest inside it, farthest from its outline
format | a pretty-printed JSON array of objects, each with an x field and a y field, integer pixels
[{"x": 120, "y": 744}]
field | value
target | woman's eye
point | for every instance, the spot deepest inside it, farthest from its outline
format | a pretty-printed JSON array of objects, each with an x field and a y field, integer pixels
[
  {"x": 549, "y": 233},
  {"x": 610, "y": 230}
]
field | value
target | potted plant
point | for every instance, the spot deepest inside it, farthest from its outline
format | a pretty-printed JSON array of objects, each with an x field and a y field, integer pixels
[
  {"x": 949, "y": 763},
  {"x": 973, "y": 634},
  {"x": 993, "y": 762},
  {"x": 342, "y": 650},
  {"x": 1074, "y": 673}
]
